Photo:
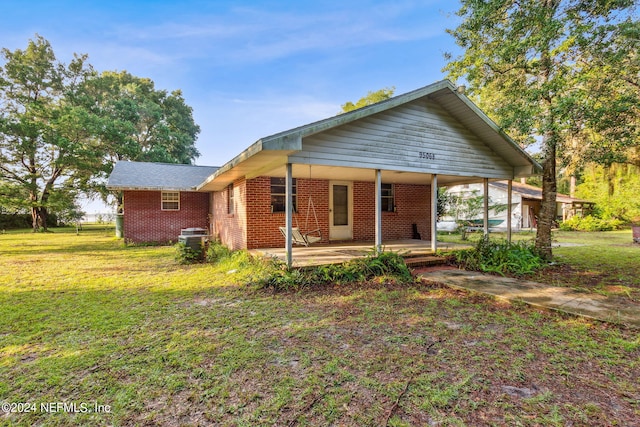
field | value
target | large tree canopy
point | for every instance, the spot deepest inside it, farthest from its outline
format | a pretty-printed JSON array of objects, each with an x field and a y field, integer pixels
[
  {"x": 369, "y": 99},
  {"x": 531, "y": 65},
  {"x": 62, "y": 127}
]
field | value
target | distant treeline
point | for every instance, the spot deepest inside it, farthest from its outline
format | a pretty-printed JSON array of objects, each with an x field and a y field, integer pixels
[{"x": 14, "y": 221}]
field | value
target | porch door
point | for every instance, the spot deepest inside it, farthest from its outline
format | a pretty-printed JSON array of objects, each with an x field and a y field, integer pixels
[{"x": 340, "y": 210}]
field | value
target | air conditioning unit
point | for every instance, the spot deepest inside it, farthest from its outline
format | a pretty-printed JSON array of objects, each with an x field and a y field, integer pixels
[{"x": 193, "y": 238}]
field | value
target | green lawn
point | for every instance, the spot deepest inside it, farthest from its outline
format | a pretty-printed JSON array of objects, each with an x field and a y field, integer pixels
[
  {"x": 604, "y": 262},
  {"x": 85, "y": 320}
]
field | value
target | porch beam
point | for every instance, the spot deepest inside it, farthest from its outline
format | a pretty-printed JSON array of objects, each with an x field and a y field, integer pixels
[
  {"x": 486, "y": 207},
  {"x": 378, "y": 215},
  {"x": 289, "y": 213},
  {"x": 434, "y": 212},
  {"x": 509, "y": 212}
]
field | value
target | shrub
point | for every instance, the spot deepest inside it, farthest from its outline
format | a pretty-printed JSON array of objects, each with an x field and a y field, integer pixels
[
  {"x": 590, "y": 223},
  {"x": 387, "y": 265},
  {"x": 501, "y": 257},
  {"x": 216, "y": 252},
  {"x": 17, "y": 221},
  {"x": 187, "y": 255}
]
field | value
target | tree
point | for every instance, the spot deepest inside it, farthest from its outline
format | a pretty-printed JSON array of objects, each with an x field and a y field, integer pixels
[
  {"x": 44, "y": 137},
  {"x": 62, "y": 127},
  {"x": 612, "y": 90},
  {"x": 139, "y": 122},
  {"x": 526, "y": 62},
  {"x": 369, "y": 99},
  {"x": 614, "y": 189}
]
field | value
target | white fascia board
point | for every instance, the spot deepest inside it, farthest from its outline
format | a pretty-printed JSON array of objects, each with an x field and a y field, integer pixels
[{"x": 255, "y": 148}]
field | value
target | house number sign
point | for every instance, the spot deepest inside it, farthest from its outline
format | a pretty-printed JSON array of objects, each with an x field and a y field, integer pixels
[{"x": 426, "y": 155}]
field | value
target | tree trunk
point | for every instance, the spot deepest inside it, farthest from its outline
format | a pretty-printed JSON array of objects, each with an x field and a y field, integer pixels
[
  {"x": 120, "y": 203},
  {"x": 572, "y": 185},
  {"x": 34, "y": 219},
  {"x": 549, "y": 190},
  {"x": 43, "y": 214},
  {"x": 39, "y": 216}
]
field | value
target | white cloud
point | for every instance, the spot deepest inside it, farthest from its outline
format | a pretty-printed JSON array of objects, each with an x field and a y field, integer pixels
[{"x": 249, "y": 35}]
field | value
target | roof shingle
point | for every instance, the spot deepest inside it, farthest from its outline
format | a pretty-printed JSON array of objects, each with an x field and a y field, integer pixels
[{"x": 157, "y": 176}]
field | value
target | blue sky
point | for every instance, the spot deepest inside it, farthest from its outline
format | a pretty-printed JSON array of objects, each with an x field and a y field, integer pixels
[{"x": 249, "y": 69}]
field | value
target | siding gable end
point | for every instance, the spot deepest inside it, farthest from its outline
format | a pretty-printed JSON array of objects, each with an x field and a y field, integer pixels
[{"x": 419, "y": 136}]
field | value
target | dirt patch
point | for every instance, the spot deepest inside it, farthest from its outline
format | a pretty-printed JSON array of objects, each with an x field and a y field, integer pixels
[
  {"x": 417, "y": 271},
  {"x": 567, "y": 275}
]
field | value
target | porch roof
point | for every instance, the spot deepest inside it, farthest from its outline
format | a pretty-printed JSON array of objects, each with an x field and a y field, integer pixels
[{"x": 465, "y": 121}]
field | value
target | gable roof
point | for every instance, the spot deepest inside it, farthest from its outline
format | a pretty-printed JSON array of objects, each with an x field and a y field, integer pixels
[
  {"x": 274, "y": 149},
  {"x": 157, "y": 176}
]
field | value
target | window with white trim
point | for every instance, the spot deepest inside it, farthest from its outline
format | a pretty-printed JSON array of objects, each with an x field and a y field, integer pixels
[
  {"x": 170, "y": 200},
  {"x": 388, "y": 199}
]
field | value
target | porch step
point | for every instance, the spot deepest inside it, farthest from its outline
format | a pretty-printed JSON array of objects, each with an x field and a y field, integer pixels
[{"x": 425, "y": 261}]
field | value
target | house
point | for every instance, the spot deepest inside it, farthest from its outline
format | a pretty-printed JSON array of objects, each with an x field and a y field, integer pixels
[
  {"x": 159, "y": 199},
  {"x": 525, "y": 204},
  {"x": 359, "y": 176}
]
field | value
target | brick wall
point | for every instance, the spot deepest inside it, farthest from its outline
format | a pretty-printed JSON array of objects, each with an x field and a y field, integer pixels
[
  {"x": 263, "y": 225},
  {"x": 230, "y": 228},
  {"x": 145, "y": 221},
  {"x": 253, "y": 210},
  {"x": 413, "y": 206}
]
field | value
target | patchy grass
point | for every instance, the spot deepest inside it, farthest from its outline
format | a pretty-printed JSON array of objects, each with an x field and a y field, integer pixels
[
  {"x": 604, "y": 262},
  {"x": 84, "y": 319}
]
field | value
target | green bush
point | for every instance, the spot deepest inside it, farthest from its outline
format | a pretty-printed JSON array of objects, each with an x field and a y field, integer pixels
[
  {"x": 386, "y": 265},
  {"x": 501, "y": 257},
  {"x": 187, "y": 255},
  {"x": 590, "y": 223},
  {"x": 17, "y": 221},
  {"x": 216, "y": 252}
]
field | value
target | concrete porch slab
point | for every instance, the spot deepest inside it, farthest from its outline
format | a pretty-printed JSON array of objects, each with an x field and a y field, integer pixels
[{"x": 338, "y": 252}]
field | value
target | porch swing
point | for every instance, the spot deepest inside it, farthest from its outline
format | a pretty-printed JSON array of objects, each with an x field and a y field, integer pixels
[{"x": 309, "y": 237}]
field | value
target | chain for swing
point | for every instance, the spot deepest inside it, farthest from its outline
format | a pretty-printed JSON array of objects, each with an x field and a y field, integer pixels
[{"x": 311, "y": 208}]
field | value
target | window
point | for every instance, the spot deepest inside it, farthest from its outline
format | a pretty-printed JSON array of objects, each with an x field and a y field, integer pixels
[
  {"x": 278, "y": 194},
  {"x": 388, "y": 201},
  {"x": 230, "y": 204},
  {"x": 170, "y": 201}
]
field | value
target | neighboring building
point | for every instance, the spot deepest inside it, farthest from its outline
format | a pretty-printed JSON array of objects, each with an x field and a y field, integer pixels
[
  {"x": 394, "y": 151},
  {"x": 525, "y": 204}
]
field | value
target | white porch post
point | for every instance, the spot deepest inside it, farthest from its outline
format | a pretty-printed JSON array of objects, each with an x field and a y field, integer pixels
[
  {"x": 378, "y": 216},
  {"x": 289, "y": 213},
  {"x": 486, "y": 207},
  {"x": 509, "y": 213},
  {"x": 434, "y": 212}
]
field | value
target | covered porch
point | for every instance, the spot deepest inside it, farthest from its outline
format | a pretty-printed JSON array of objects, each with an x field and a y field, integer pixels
[{"x": 416, "y": 142}]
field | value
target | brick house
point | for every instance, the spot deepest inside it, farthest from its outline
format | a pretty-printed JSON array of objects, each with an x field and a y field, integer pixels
[
  {"x": 363, "y": 175},
  {"x": 160, "y": 199}
]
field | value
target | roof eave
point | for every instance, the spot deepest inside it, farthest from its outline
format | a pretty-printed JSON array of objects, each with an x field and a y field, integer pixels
[
  {"x": 147, "y": 188},
  {"x": 287, "y": 142},
  {"x": 535, "y": 168}
]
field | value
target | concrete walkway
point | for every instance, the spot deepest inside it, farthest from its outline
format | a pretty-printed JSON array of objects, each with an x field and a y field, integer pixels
[{"x": 608, "y": 309}]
